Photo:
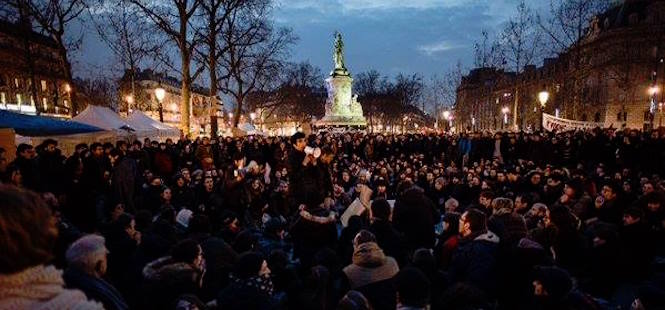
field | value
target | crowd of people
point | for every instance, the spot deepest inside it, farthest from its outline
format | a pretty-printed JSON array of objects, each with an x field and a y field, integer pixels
[{"x": 572, "y": 220}]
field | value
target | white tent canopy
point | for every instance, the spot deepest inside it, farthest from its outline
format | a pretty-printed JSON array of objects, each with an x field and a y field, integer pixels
[
  {"x": 148, "y": 127},
  {"x": 101, "y": 117}
]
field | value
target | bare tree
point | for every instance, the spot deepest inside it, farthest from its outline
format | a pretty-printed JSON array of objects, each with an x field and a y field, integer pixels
[
  {"x": 127, "y": 33},
  {"x": 487, "y": 52},
  {"x": 176, "y": 20},
  {"x": 368, "y": 86},
  {"x": 100, "y": 91},
  {"x": 299, "y": 94},
  {"x": 566, "y": 26},
  {"x": 442, "y": 90},
  {"x": 521, "y": 43},
  {"x": 52, "y": 18},
  {"x": 254, "y": 51}
]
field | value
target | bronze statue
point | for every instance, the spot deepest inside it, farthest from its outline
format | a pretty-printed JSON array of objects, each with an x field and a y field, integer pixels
[{"x": 338, "y": 55}]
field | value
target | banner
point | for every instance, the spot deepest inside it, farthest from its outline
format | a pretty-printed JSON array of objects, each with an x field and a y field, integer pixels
[{"x": 551, "y": 123}]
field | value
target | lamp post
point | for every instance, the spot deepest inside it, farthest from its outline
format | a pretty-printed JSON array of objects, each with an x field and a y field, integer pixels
[
  {"x": 160, "y": 93},
  {"x": 68, "y": 90},
  {"x": 653, "y": 91},
  {"x": 446, "y": 116},
  {"x": 130, "y": 101},
  {"x": 505, "y": 111},
  {"x": 543, "y": 96}
]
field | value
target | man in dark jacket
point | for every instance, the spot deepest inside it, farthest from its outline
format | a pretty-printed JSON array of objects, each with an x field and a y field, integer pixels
[
  {"x": 415, "y": 215},
  {"x": 251, "y": 286},
  {"x": 28, "y": 165},
  {"x": 475, "y": 258},
  {"x": 51, "y": 167},
  {"x": 86, "y": 259},
  {"x": 125, "y": 172},
  {"x": 388, "y": 239}
]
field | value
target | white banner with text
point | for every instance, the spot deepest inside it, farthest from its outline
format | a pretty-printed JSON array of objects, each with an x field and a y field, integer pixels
[{"x": 551, "y": 123}]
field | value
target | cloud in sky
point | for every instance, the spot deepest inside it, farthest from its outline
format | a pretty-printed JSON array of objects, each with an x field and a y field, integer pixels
[
  {"x": 438, "y": 47},
  {"x": 424, "y": 36},
  {"x": 391, "y": 36}
]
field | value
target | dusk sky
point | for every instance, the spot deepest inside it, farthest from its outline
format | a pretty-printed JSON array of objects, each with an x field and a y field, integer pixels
[{"x": 391, "y": 36}]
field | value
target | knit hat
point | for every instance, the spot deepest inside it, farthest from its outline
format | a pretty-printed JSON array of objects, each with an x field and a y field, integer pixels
[{"x": 183, "y": 217}]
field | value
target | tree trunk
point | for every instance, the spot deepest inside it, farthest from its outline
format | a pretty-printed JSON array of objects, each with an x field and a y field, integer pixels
[
  {"x": 212, "y": 64},
  {"x": 236, "y": 116},
  {"x": 186, "y": 95},
  {"x": 515, "y": 103}
]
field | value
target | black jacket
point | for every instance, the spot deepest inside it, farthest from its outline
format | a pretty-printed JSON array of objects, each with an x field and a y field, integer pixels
[{"x": 95, "y": 288}]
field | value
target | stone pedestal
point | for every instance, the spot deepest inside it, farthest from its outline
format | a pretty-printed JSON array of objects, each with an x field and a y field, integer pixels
[{"x": 342, "y": 108}]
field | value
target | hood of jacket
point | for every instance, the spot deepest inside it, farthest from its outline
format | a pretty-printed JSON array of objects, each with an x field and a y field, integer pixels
[
  {"x": 488, "y": 236},
  {"x": 368, "y": 254}
]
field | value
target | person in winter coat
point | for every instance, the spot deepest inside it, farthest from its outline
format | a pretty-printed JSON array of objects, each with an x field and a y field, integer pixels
[
  {"x": 51, "y": 167},
  {"x": 412, "y": 290},
  {"x": 250, "y": 287},
  {"x": 86, "y": 258},
  {"x": 509, "y": 226},
  {"x": 371, "y": 271},
  {"x": 415, "y": 215},
  {"x": 474, "y": 261},
  {"x": 122, "y": 240},
  {"x": 28, "y": 164},
  {"x": 183, "y": 195},
  {"x": 27, "y": 281},
  {"x": 171, "y": 276},
  {"x": 125, "y": 174},
  {"x": 553, "y": 289},
  {"x": 314, "y": 229},
  {"x": 388, "y": 239}
]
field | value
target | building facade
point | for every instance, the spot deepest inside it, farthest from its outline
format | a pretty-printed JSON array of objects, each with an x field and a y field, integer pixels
[
  {"x": 615, "y": 75},
  {"x": 31, "y": 76},
  {"x": 203, "y": 107}
]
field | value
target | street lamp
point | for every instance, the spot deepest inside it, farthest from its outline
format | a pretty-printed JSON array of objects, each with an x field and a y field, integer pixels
[
  {"x": 653, "y": 90},
  {"x": 160, "y": 93},
  {"x": 446, "y": 115},
  {"x": 68, "y": 90},
  {"x": 543, "y": 96},
  {"x": 505, "y": 111},
  {"x": 129, "y": 100}
]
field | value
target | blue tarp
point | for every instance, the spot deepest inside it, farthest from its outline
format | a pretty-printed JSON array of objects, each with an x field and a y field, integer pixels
[{"x": 39, "y": 126}]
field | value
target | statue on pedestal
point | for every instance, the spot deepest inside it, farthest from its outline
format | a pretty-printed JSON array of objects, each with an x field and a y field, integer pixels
[
  {"x": 338, "y": 56},
  {"x": 342, "y": 107}
]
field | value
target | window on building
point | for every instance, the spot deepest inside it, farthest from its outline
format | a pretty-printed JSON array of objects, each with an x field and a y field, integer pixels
[
  {"x": 44, "y": 104},
  {"x": 3, "y": 98},
  {"x": 43, "y": 85},
  {"x": 18, "y": 99},
  {"x": 32, "y": 101},
  {"x": 596, "y": 117},
  {"x": 619, "y": 116},
  {"x": 16, "y": 82},
  {"x": 65, "y": 103}
]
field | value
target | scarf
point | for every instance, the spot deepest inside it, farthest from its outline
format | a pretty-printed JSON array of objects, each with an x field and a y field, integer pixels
[{"x": 40, "y": 287}]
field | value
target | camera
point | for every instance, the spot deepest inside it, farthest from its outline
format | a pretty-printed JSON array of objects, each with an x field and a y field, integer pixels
[{"x": 314, "y": 151}]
